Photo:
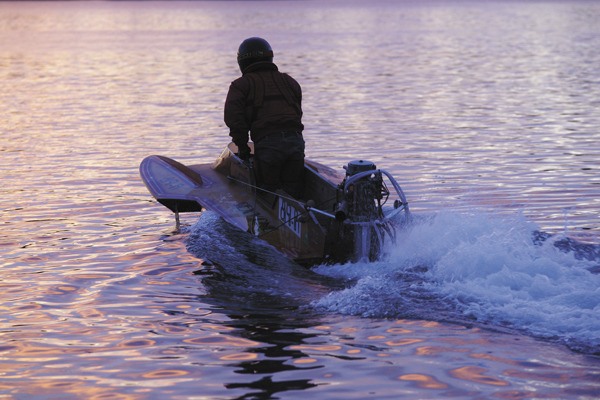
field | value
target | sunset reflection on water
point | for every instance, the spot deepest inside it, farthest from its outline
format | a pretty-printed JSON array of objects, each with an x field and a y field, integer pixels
[{"x": 102, "y": 298}]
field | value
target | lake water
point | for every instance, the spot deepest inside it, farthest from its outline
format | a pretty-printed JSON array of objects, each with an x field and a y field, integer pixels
[{"x": 487, "y": 113}]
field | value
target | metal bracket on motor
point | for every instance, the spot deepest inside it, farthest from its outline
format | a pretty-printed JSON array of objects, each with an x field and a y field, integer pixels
[
  {"x": 360, "y": 175},
  {"x": 399, "y": 204}
]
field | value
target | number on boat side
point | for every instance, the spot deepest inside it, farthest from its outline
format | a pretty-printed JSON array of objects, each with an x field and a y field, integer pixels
[{"x": 290, "y": 216}]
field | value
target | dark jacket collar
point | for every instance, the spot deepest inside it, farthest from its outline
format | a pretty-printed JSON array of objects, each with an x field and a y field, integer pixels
[{"x": 260, "y": 66}]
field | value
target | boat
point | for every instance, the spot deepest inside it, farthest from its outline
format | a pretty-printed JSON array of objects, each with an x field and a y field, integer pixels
[{"x": 342, "y": 217}]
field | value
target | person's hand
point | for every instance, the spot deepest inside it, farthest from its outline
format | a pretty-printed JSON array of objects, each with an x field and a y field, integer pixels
[{"x": 244, "y": 152}]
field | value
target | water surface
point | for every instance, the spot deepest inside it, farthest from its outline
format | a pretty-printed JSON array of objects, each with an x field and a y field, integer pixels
[{"x": 486, "y": 113}]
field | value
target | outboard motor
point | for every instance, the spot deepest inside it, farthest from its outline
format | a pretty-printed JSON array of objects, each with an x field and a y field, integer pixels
[
  {"x": 358, "y": 200},
  {"x": 359, "y": 211}
]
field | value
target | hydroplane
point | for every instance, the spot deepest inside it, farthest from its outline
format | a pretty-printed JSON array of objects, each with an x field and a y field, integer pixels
[{"x": 342, "y": 217}]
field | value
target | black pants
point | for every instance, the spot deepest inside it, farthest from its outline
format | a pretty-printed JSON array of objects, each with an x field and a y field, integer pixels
[{"x": 279, "y": 160}]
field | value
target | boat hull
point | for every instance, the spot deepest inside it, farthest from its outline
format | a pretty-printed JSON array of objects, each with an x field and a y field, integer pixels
[
  {"x": 227, "y": 187},
  {"x": 310, "y": 231}
]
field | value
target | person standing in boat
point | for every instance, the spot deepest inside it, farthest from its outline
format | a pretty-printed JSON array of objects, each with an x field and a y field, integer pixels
[{"x": 267, "y": 104}]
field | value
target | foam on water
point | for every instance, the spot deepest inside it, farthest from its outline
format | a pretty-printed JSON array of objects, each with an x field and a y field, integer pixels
[
  {"x": 238, "y": 264},
  {"x": 479, "y": 267}
]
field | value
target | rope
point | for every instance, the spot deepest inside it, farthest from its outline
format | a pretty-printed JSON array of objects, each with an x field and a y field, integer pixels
[{"x": 255, "y": 187}]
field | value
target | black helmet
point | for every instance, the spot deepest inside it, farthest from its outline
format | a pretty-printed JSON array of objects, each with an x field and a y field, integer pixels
[{"x": 253, "y": 50}]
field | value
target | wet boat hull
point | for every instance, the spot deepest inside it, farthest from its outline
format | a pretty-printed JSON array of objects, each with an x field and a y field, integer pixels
[{"x": 308, "y": 231}]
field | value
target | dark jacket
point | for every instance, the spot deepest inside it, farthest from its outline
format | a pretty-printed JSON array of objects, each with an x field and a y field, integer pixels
[{"x": 263, "y": 101}]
